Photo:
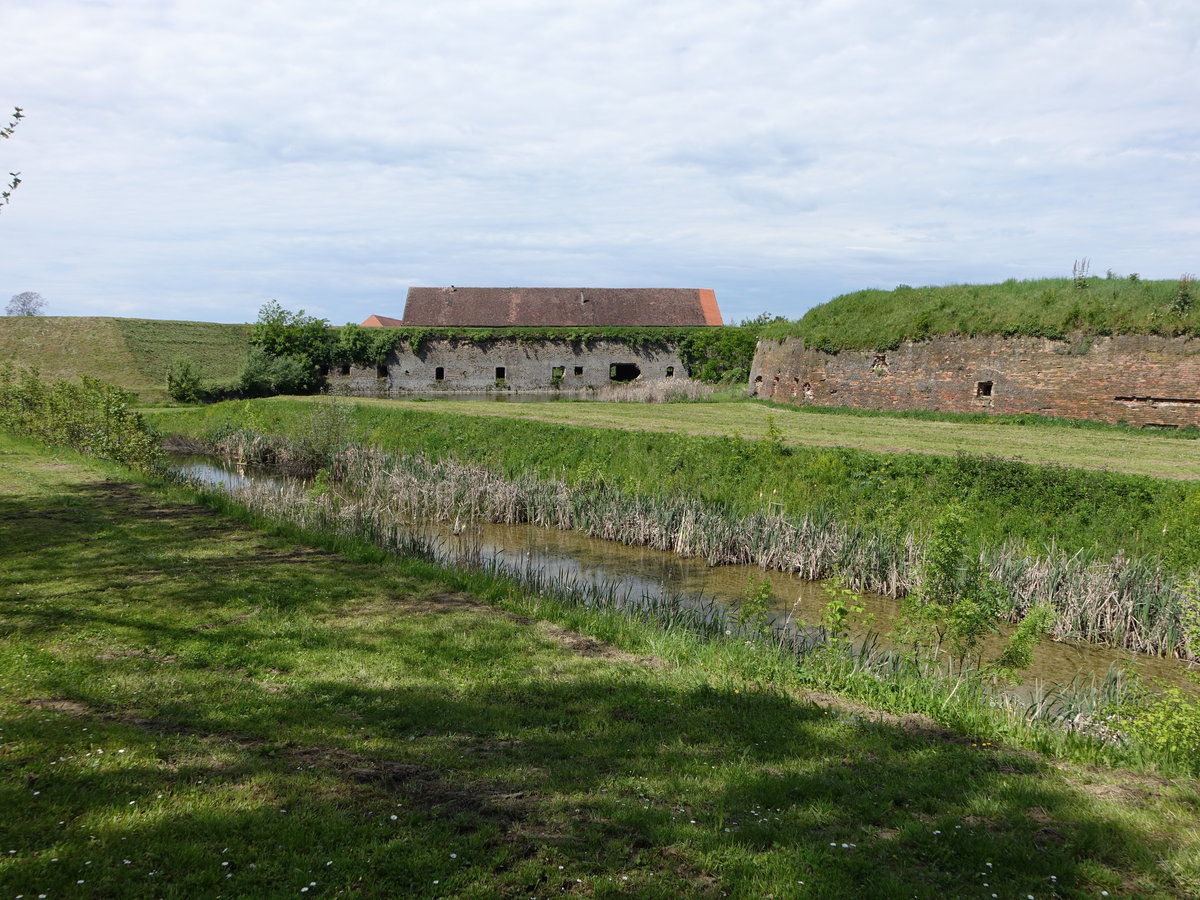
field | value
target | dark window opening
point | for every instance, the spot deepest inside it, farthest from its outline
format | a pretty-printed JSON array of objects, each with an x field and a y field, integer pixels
[
  {"x": 381, "y": 372},
  {"x": 499, "y": 373},
  {"x": 983, "y": 389},
  {"x": 345, "y": 369},
  {"x": 579, "y": 370},
  {"x": 757, "y": 385},
  {"x": 439, "y": 374},
  {"x": 670, "y": 371},
  {"x": 624, "y": 372}
]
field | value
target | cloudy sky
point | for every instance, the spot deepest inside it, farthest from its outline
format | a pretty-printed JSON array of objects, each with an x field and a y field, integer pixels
[{"x": 192, "y": 159}]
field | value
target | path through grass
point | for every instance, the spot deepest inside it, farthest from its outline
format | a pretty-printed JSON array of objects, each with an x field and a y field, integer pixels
[{"x": 192, "y": 707}]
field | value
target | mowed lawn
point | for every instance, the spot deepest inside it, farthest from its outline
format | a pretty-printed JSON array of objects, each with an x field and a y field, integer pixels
[
  {"x": 1141, "y": 453},
  {"x": 196, "y": 708}
]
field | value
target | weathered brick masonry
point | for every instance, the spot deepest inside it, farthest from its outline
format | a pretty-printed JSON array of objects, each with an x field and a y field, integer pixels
[
  {"x": 452, "y": 365},
  {"x": 1140, "y": 379}
]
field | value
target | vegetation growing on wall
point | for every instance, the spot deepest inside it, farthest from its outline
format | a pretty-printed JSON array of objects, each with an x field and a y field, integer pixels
[
  {"x": 1050, "y": 307},
  {"x": 712, "y": 355}
]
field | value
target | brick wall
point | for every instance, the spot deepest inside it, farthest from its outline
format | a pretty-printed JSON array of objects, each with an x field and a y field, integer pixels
[
  {"x": 470, "y": 366},
  {"x": 1140, "y": 379}
]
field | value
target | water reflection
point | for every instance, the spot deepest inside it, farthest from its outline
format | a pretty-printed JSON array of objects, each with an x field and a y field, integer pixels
[{"x": 641, "y": 571}]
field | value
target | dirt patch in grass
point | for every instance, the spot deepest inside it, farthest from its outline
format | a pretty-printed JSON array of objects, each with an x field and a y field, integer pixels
[
  {"x": 590, "y": 647},
  {"x": 70, "y": 707},
  {"x": 1136, "y": 790},
  {"x": 444, "y": 602},
  {"x": 910, "y": 723}
]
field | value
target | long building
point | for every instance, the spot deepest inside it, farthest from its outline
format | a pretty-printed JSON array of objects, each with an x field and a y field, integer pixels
[
  {"x": 501, "y": 362},
  {"x": 496, "y": 307}
]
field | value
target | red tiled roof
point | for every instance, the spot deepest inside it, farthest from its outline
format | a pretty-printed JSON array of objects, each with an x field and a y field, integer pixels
[
  {"x": 382, "y": 322},
  {"x": 597, "y": 307}
]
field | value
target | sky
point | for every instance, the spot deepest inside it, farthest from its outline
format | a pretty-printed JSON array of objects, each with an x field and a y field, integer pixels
[{"x": 195, "y": 159}]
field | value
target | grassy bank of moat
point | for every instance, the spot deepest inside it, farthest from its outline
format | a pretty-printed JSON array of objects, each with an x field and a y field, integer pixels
[
  {"x": 746, "y": 459},
  {"x": 197, "y": 707},
  {"x": 1110, "y": 553}
]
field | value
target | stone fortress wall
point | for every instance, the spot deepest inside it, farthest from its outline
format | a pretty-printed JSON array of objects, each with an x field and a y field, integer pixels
[
  {"x": 509, "y": 365},
  {"x": 1144, "y": 380}
]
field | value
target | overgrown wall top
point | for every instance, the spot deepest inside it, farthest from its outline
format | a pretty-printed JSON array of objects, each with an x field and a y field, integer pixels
[{"x": 1049, "y": 307}]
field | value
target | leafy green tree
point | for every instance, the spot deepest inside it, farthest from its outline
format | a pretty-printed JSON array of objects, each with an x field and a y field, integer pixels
[
  {"x": 365, "y": 346},
  {"x": 719, "y": 355},
  {"x": 280, "y": 332}
]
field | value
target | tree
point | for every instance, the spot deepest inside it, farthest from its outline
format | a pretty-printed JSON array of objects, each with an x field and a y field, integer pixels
[
  {"x": 26, "y": 303},
  {"x": 279, "y": 332},
  {"x": 15, "y": 177}
]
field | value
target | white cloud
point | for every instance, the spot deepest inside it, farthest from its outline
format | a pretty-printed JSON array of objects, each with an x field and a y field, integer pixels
[{"x": 192, "y": 159}]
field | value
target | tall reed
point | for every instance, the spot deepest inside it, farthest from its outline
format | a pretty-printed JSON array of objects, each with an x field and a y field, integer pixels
[{"x": 1119, "y": 601}]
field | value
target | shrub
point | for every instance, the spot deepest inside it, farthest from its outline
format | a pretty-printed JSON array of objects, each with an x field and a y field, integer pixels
[
  {"x": 265, "y": 375},
  {"x": 90, "y": 417},
  {"x": 183, "y": 382}
]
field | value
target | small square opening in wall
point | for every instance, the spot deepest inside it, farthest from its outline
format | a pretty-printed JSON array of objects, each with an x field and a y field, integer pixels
[
  {"x": 670, "y": 371},
  {"x": 381, "y": 372},
  {"x": 344, "y": 369},
  {"x": 439, "y": 374},
  {"x": 557, "y": 373},
  {"x": 579, "y": 370},
  {"x": 983, "y": 389},
  {"x": 499, "y": 373}
]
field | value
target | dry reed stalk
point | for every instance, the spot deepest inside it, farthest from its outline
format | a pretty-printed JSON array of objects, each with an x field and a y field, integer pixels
[{"x": 1123, "y": 602}]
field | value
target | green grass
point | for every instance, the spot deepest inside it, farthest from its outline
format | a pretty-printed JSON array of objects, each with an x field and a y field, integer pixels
[
  {"x": 1049, "y": 307},
  {"x": 131, "y": 353},
  {"x": 1070, "y": 508},
  {"x": 195, "y": 708},
  {"x": 1102, "y": 447}
]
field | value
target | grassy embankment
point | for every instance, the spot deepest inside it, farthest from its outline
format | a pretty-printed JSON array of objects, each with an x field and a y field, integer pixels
[
  {"x": 1107, "y": 551},
  {"x": 1068, "y": 507},
  {"x": 131, "y": 353},
  {"x": 1028, "y": 439},
  {"x": 193, "y": 707},
  {"x": 1048, "y": 307}
]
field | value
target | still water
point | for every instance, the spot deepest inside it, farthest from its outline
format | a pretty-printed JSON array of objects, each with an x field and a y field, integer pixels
[{"x": 641, "y": 571}]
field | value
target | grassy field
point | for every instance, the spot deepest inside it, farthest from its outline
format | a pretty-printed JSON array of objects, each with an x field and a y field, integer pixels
[
  {"x": 1048, "y": 307},
  {"x": 193, "y": 707},
  {"x": 1114, "y": 449},
  {"x": 131, "y": 353}
]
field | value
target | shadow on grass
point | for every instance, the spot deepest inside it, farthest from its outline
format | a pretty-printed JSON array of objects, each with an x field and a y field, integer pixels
[{"x": 181, "y": 694}]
